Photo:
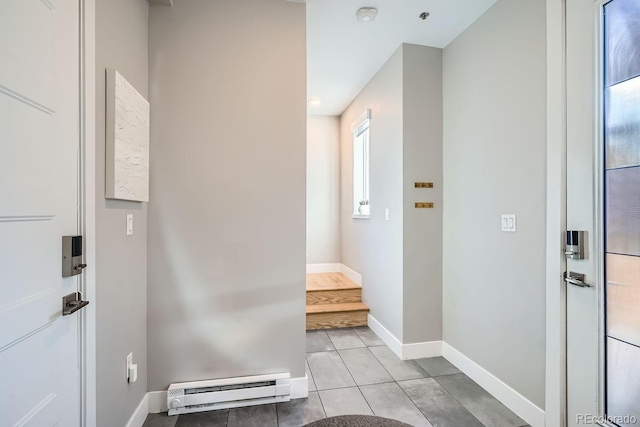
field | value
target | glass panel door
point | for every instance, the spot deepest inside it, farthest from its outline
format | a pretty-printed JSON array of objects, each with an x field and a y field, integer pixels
[{"x": 622, "y": 209}]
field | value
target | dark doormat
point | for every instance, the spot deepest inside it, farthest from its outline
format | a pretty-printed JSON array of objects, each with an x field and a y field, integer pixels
[{"x": 357, "y": 421}]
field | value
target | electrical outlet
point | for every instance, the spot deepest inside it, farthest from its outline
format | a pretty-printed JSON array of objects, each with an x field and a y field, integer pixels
[{"x": 129, "y": 364}]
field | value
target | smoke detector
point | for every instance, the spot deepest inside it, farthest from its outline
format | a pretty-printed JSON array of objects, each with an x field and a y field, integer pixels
[{"x": 367, "y": 14}]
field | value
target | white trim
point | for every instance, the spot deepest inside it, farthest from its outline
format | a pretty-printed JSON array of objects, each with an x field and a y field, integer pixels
[
  {"x": 140, "y": 414},
  {"x": 599, "y": 215},
  {"x": 157, "y": 401},
  {"x": 420, "y": 350},
  {"x": 362, "y": 118},
  {"x": 524, "y": 408},
  {"x": 556, "y": 298},
  {"x": 351, "y": 274},
  {"x": 336, "y": 268},
  {"x": 299, "y": 387},
  {"x": 360, "y": 216},
  {"x": 87, "y": 317},
  {"x": 389, "y": 339},
  {"x": 513, "y": 400},
  {"x": 405, "y": 351},
  {"x": 323, "y": 268}
]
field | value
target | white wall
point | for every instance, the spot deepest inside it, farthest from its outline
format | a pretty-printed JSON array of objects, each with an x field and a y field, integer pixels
[
  {"x": 227, "y": 212},
  {"x": 323, "y": 190},
  {"x": 373, "y": 247},
  {"x": 121, "y": 260},
  {"x": 400, "y": 259},
  {"x": 422, "y": 162},
  {"x": 495, "y": 163}
]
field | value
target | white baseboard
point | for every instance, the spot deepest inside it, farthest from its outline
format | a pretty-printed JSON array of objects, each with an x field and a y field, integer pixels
[
  {"x": 299, "y": 387},
  {"x": 157, "y": 400},
  {"x": 140, "y": 414},
  {"x": 513, "y": 400},
  {"x": 405, "y": 351},
  {"x": 351, "y": 274},
  {"x": 386, "y": 336},
  {"x": 323, "y": 268},
  {"x": 421, "y": 349},
  {"x": 336, "y": 268}
]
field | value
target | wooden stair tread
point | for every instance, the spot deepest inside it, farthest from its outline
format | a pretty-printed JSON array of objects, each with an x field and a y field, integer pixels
[
  {"x": 336, "y": 308},
  {"x": 328, "y": 281},
  {"x": 345, "y": 288}
]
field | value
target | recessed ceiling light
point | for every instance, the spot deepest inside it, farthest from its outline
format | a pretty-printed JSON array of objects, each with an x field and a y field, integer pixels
[
  {"x": 367, "y": 14},
  {"x": 424, "y": 15},
  {"x": 314, "y": 102}
]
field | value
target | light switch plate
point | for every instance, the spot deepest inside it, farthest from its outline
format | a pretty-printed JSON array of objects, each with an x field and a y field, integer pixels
[
  {"x": 129, "y": 362},
  {"x": 509, "y": 224},
  {"x": 386, "y": 214},
  {"x": 129, "y": 224}
]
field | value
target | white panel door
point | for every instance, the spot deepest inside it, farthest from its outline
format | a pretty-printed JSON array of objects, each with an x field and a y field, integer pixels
[
  {"x": 583, "y": 211},
  {"x": 39, "y": 152}
]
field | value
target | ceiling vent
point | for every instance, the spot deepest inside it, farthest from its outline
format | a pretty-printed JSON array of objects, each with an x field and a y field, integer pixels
[{"x": 367, "y": 14}]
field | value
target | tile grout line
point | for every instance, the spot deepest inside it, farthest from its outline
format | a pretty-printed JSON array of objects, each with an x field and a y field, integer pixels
[
  {"x": 400, "y": 387},
  {"x": 275, "y": 406},
  {"x": 351, "y": 375},
  {"x": 359, "y": 387},
  {"x": 455, "y": 398},
  {"x": 324, "y": 411},
  {"x": 352, "y": 386}
]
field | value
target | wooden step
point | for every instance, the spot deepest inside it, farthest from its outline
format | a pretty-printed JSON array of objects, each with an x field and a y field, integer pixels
[
  {"x": 334, "y": 296},
  {"x": 326, "y": 281},
  {"x": 342, "y": 315}
]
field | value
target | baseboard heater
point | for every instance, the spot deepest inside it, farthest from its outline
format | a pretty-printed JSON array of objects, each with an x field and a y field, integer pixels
[{"x": 200, "y": 396}]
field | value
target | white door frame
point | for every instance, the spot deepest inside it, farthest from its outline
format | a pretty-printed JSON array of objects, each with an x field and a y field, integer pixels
[
  {"x": 556, "y": 295},
  {"x": 87, "y": 337}
]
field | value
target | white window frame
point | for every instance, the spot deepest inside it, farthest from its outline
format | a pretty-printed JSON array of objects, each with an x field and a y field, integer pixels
[{"x": 361, "y": 171}]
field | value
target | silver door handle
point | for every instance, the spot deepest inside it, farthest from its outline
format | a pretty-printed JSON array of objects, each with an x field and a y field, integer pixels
[
  {"x": 576, "y": 279},
  {"x": 72, "y": 303}
]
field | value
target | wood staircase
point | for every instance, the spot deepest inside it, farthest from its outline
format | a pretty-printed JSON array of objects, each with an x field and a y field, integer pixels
[{"x": 334, "y": 301}]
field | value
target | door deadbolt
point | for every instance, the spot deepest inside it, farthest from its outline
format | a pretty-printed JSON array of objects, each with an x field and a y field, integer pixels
[
  {"x": 72, "y": 259},
  {"x": 575, "y": 244}
]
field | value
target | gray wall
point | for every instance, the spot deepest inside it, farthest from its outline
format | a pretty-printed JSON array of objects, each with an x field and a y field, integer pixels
[
  {"x": 323, "y": 190},
  {"x": 422, "y": 161},
  {"x": 373, "y": 247},
  {"x": 495, "y": 163},
  {"x": 121, "y": 261},
  {"x": 226, "y": 265},
  {"x": 401, "y": 259}
]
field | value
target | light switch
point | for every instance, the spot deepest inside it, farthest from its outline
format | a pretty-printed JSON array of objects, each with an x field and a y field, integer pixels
[
  {"x": 129, "y": 224},
  {"x": 133, "y": 373},
  {"x": 509, "y": 223},
  {"x": 386, "y": 214}
]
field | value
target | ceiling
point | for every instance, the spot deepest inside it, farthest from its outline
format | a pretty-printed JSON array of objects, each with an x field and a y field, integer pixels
[{"x": 344, "y": 54}]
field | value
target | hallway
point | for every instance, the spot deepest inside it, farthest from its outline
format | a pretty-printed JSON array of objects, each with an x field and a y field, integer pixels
[{"x": 351, "y": 371}]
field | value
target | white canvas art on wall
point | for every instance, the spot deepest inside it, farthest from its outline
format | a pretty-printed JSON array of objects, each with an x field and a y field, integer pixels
[{"x": 127, "y": 141}]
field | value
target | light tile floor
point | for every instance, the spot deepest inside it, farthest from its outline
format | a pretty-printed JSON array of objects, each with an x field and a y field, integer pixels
[{"x": 351, "y": 371}]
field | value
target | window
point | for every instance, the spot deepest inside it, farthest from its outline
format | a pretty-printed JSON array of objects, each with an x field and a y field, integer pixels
[{"x": 360, "y": 130}]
